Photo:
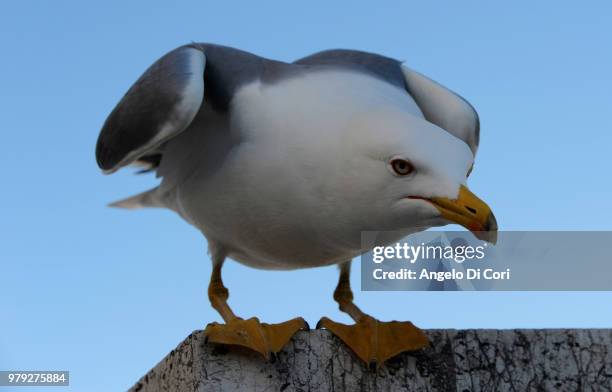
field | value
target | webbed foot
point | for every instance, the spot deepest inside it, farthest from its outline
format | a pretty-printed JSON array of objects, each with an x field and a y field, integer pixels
[
  {"x": 260, "y": 337},
  {"x": 376, "y": 341}
]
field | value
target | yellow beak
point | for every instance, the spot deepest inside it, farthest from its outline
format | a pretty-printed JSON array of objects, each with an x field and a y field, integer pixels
[{"x": 470, "y": 212}]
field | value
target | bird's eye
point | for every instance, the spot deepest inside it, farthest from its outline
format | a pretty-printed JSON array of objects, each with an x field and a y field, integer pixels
[{"x": 402, "y": 167}]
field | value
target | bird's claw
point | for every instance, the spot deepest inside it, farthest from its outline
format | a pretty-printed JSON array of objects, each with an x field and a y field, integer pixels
[
  {"x": 375, "y": 341},
  {"x": 266, "y": 339}
]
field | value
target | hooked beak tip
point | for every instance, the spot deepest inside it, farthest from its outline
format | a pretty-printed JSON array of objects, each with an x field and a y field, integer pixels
[{"x": 489, "y": 231}]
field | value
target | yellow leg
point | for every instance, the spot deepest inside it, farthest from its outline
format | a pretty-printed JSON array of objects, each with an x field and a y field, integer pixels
[
  {"x": 218, "y": 294},
  {"x": 371, "y": 340},
  {"x": 260, "y": 337}
]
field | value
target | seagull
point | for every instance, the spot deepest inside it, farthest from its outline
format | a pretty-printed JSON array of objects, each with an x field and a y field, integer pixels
[{"x": 283, "y": 166}]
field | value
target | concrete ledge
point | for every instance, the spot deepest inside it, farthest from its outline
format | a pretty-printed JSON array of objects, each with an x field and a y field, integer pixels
[{"x": 459, "y": 360}]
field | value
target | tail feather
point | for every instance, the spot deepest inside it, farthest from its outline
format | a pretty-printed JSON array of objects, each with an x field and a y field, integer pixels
[{"x": 141, "y": 200}]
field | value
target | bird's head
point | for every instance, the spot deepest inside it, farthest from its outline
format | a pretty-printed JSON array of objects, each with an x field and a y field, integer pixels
[{"x": 417, "y": 172}]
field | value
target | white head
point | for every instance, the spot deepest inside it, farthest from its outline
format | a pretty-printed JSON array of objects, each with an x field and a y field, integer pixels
[{"x": 408, "y": 174}]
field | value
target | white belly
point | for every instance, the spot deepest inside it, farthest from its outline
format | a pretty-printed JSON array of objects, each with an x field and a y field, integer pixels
[{"x": 260, "y": 220}]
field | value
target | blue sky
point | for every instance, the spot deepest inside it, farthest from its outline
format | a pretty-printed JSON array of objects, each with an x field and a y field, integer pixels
[{"x": 106, "y": 293}]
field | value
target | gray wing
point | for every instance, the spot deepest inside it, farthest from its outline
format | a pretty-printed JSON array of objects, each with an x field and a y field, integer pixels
[
  {"x": 159, "y": 105},
  {"x": 439, "y": 105}
]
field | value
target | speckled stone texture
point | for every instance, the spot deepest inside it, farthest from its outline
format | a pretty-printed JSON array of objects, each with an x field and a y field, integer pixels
[{"x": 458, "y": 360}]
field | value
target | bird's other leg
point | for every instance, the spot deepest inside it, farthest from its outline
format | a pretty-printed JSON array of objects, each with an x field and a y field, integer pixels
[
  {"x": 371, "y": 340},
  {"x": 344, "y": 295},
  {"x": 218, "y": 294},
  {"x": 263, "y": 338}
]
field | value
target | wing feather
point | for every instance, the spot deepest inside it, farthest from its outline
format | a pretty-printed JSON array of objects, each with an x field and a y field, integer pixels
[{"x": 159, "y": 106}]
